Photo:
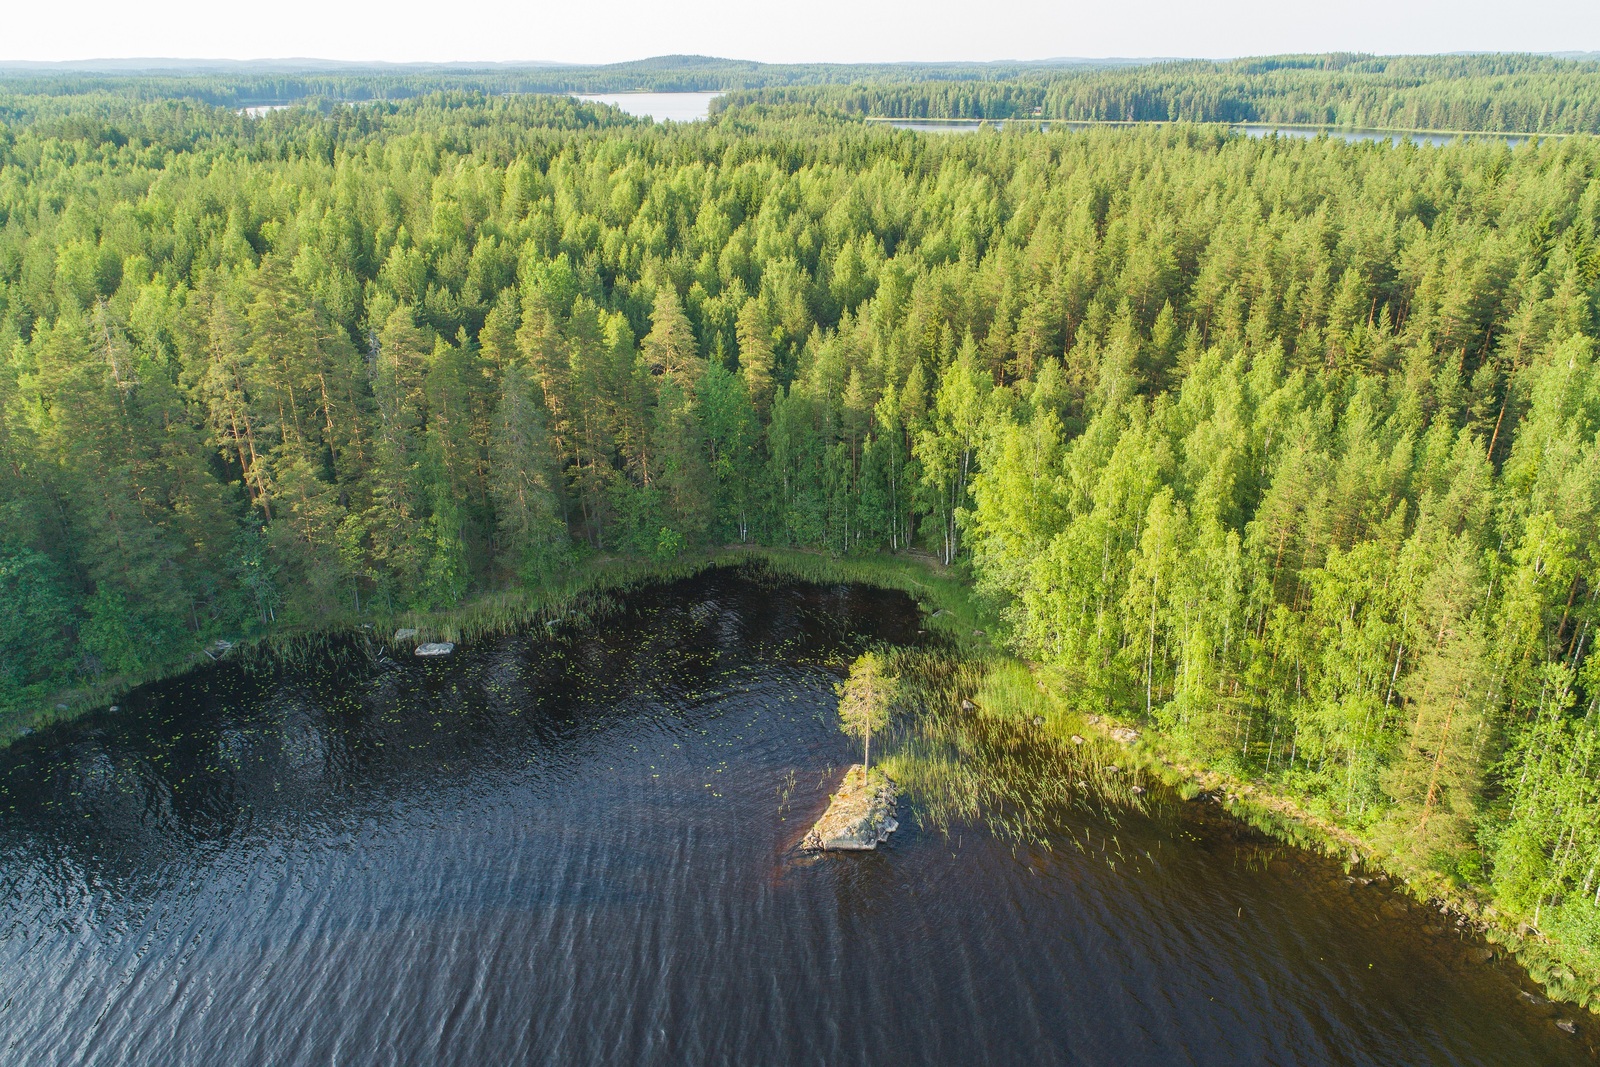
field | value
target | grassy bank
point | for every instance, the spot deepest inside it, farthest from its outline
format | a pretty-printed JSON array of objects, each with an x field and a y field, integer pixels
[
  {"x": 584, "y": 590},
  {"x": 581, "y": 589}
]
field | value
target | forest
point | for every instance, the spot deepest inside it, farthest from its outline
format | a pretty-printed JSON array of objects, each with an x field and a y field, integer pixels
[
  {"x": 1289, "y": 449},
  {"x": 254, "y": 84},
  {"x": 1494, "y": 93},
  {"x": 1512, "y": 94}
]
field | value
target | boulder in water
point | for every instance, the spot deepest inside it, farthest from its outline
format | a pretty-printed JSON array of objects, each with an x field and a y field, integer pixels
[
  {"x": 436, "y": 648},
  {"x": 860, "y": 815}
]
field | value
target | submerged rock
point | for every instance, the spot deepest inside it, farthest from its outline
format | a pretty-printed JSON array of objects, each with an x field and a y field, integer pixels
[
  {"x": 859, "y": 817},
  {"x": 436, "y": 648}
]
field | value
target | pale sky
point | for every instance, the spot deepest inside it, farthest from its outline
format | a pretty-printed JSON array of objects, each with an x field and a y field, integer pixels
[{"x": 803, "y": 31}]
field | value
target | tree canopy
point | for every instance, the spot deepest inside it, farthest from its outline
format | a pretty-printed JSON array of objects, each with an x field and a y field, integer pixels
[
  {"x": 866, "y": 699},
  {"x": 1505, "y": 93},
  {"x": 1290, "y": 447}
]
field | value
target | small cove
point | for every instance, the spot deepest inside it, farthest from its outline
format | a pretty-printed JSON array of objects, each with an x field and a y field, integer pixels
[{"x": 580, "y": 849}]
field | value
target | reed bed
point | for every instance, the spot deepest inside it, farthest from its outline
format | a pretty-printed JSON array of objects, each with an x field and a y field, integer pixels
[{"x": 978, "y": 742}]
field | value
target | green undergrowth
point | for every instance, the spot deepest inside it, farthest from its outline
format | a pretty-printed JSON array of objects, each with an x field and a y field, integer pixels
[{"x": 1565, "y": 965}]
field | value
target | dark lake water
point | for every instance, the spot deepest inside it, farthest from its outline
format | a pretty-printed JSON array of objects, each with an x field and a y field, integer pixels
[{"x": 579, "y": 850}]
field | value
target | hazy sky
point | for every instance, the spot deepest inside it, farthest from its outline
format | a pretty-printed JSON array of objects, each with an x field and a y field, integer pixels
[{"x": 807, "y": 30}]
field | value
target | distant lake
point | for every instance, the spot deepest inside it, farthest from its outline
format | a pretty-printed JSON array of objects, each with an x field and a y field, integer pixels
[
  {"x": 1359, "y": 136},
  {"x": 662, "y": 107},
  {"x": 940, "y": 127},
  {"x": 1248, "y": 129}
]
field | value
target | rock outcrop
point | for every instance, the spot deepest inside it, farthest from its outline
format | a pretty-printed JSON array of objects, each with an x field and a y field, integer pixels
[{"x": 860, "y": 815}]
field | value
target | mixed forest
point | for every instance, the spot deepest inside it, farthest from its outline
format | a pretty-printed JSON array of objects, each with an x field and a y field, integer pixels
[
  {"x": 236, "y": 85},
  {"x": 1503, "y": 93},
  {"x": 1289, "y": 448},
  {"x": 1488, "y": 93}
]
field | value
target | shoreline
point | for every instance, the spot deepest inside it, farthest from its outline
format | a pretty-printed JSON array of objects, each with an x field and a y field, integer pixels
[
  {"x": 949, "y": 608},
  {"x": 1557, "y": 969},
  {"x": 503, "y": 610}
]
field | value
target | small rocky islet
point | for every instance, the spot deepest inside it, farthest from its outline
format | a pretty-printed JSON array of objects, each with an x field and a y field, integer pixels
[{"x": 860, "y": 814}]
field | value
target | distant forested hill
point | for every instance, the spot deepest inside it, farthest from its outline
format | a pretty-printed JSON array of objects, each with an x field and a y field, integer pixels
[
  {"x": 257, "y": 84},
  {"x": 1518, "y": 93}
]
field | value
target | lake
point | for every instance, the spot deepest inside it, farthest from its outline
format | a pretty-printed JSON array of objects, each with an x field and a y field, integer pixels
[
  {"x": 579, "y": 848},
  {"x": 662, "y": 107},
  {"x": 1248, "y": 129},
  {"x": 1380, "y": 136}
]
